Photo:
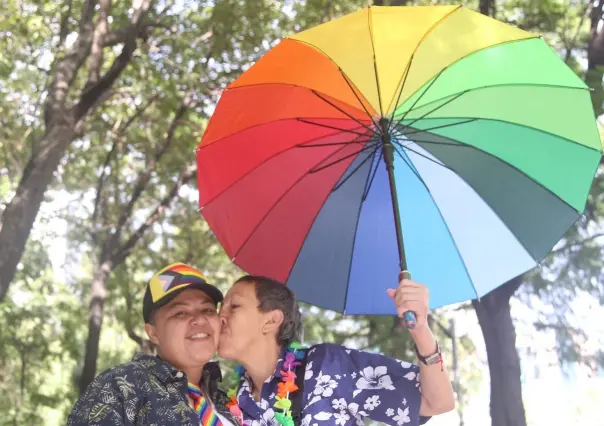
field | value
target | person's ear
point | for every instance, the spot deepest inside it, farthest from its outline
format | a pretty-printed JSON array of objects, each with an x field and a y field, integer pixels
[
  {"x": 151, "y": 331},
  {"x": 273, "y": 321}
]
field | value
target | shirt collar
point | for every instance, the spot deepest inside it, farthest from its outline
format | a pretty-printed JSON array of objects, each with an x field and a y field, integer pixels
[
  {"x": 244, "y": 396},
  {"x": 166, "y": 372}
]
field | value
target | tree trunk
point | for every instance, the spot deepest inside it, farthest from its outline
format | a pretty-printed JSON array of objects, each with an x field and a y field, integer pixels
[
  {"x": 95, "y": 322},
  {"x": 21, "y": 212},
  {"x": 61, "y": 120},
  {"x": 595, "y": 58},
  {"x": 390, "y": 3},
  {"x": 495, "y": 319},
  {"x": 487, "y": 7}
]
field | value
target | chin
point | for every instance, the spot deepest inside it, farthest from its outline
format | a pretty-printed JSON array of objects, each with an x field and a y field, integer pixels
[{"x": 226, "y": 351}]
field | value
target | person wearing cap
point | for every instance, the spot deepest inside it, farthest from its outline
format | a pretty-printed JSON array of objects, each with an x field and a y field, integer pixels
[{"x": 179, "y": 386}]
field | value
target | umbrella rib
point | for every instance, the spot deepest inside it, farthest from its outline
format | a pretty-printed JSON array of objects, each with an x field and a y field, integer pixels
[
  {"x": 356, "y": 228},
  {"x": 545, "y": 132},
  {"x": 281, "y": 197},
  {"x": 420, "y": 154},
  {"x": 473, "y": 89},
  {"x": 469, "y": 54},
  {"x": 340, "y": 184},
  {"x": 239, "y": 179},
  {"x": 460, "y": 144},
  {"x": 432, "y": 110},
  {"x": 415, "y": 172},
  {"x": 357, "y": 96},
  {"x": 310, "y": 228},
  {"x": 463, "y": 145},
  {"x": 365, "y": 148},
  {"x": 377, "y": 78},
  {"x": 327, "y": 126},
  {"x": 419, "y": 43},
  {"x": 352, "y": 142},
  {"x": 439, "y": 127},
  {"x": 341, "y": 110},
  {"x": 369, "y": 182},
  {"x": 409, "y": 163},
  {"x": 398, "y": 98},
  {"x": 418, "y": 99}
]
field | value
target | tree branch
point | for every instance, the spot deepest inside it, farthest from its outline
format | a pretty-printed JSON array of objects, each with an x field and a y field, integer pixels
[
  {"x": 117, "y": 138},
  {"x": 113, "y": 38},
  {"x": 68, "y": 67},
  {"x": 98, "y": 40},
  {"x": 64, "y": 26},
  {"x": 93, "y": 93},
  {"x": 99, "y": 188},
  {"x": 145, "y": 175},
  {"x": 573, "y": 42},
  {"x": 580, "y": 243},
  {"x": 185, "y": 176}
]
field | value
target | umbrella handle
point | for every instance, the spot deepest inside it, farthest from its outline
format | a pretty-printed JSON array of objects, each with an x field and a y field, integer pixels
[{"x": 409, "y": 318}]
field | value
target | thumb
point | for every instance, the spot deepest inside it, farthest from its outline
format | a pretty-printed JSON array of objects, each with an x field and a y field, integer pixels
[{"x": 391, "y": 292}]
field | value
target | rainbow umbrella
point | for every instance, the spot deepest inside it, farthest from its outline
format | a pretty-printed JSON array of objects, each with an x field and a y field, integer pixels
[{"x": 432, "y": 139}]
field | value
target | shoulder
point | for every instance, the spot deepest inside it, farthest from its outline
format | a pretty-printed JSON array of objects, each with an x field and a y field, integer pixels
[
  {"x": 334, "y": 352},
  {"x": 106, "y": 396},
  {"x": 326, "y": 349},
  {"x": 124, "y": 378},
  {"x": 326, "y": 354}
]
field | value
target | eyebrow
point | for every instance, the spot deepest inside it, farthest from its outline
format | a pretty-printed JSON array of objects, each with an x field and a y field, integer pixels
[{"x": 177, "y": 304}]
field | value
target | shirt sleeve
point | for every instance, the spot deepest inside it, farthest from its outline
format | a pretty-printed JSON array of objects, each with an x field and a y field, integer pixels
[
  {"x": 374, "y": 386},
  {"x": 101, "y": 405}
]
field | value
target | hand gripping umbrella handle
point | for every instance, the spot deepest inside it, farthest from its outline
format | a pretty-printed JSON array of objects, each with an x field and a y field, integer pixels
[{"x": 409, "y": 318}]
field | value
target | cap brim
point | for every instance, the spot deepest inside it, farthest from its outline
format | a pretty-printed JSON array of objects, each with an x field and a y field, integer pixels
[{"x": 209, "y": 289}]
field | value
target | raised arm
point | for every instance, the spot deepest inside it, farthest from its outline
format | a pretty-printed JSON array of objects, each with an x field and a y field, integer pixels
[{"x": 437, "y": 393}]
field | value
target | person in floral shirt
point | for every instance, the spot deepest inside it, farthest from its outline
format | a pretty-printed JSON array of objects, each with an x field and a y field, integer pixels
[{"x": 334, "y": 385}]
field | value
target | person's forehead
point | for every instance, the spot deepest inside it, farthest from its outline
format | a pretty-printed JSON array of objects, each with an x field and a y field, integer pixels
[
  {"x": 241, "y": 288},
  {"x": 191, "y": 297}
]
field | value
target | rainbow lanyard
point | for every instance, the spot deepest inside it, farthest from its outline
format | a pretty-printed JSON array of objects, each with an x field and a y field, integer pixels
[{"x": 203, "y": 408}]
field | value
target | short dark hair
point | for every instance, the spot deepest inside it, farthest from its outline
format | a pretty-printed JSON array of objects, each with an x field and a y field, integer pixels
[{"x": 272, "y": 295}]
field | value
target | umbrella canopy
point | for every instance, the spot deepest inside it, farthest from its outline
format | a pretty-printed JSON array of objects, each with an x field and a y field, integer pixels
[{"x": 464, "y": 141}]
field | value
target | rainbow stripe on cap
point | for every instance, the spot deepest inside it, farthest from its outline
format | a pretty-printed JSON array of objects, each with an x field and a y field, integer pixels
[{"x": 173, "y": 277}]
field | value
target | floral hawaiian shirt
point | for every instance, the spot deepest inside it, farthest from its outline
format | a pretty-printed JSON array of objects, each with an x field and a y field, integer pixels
[
  {"x": 343, "y": 387},
  {"x": 145, "y": 391}
]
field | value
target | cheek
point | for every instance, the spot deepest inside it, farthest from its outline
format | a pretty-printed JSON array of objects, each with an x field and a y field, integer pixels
[{"x": 215, "y": 326}]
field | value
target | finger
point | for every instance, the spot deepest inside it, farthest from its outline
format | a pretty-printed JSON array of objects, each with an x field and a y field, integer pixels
[
  {"x": 402, "y": 295},
  {"x": 391, "y": 292},
  {"x": 411, "y": 290},
  {"x": 410, "y": 284},
  {"x": 411, "y": 303}
]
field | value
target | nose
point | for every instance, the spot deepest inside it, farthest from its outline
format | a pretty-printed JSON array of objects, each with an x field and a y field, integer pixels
[
  {"x": 199, "y": 318},
  {"x": 223, "y": 320}
]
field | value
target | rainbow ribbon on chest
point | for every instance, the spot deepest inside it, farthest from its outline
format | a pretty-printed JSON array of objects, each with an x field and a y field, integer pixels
[{"x": 203, "y": 408}]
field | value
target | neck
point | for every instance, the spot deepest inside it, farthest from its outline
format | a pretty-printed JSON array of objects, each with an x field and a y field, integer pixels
[
  {"x": 194, "y": 375},
  {"x": 260, "y": 364}
]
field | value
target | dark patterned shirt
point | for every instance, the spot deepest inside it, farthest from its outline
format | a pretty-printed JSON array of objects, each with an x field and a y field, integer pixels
[{"x": 145, "y": 391}]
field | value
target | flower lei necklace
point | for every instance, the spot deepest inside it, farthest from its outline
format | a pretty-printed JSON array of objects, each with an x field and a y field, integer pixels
[{"x": 286, "y": 387}]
